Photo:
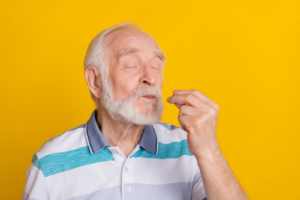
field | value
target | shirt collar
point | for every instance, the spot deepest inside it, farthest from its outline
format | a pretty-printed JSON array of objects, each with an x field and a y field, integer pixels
[{"x": 97, "y": 141}]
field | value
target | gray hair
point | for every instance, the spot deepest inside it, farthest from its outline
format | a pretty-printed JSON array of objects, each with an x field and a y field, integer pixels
[{"x": 95, "y": 55}]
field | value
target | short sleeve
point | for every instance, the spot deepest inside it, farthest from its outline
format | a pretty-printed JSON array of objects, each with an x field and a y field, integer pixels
[
  {"x": 198, "y": 192},
  {"x": 36, "y": 187}
]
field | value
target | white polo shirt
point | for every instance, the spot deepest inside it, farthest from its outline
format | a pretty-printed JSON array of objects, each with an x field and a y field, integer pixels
[{"x": 80, "y": 164}]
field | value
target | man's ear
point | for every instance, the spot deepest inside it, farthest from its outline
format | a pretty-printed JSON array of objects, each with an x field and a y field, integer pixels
[{"x": 93, "y": 79}]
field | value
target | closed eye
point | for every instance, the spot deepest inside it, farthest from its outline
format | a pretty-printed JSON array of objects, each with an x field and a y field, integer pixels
[
  {"x": 156, "y": 67},
  {"x": 134, "y": 66}
]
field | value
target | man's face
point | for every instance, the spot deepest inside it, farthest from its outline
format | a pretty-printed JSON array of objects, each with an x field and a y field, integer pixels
[{"x": 135, "y": 77}]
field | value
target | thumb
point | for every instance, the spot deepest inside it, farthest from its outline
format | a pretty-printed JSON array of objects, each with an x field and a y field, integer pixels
[{"x": 178, "y": 105}]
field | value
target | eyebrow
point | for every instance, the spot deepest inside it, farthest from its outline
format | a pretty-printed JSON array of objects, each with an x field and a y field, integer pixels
[
  {"x": 126, "y": 51},
  {"x": 131, "y": 50}
]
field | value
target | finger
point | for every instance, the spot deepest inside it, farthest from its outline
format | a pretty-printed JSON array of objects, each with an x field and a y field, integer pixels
[
  {"x": 187, "y": 99},
  {"x": 184, "y": 122},
  {"x": 178, "y": 105},
  {"x": 198, "y": 94},
  {"x": 188, "y": 110}
]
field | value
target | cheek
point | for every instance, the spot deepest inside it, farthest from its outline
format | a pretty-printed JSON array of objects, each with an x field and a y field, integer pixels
[
  {"x": 160, "y": 80},
  {"x": 124, "y": 87}
]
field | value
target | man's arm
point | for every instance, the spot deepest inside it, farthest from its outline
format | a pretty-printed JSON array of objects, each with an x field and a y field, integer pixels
[
  {"x": 198, "y": 117},
  {"x": 36, "y": 187},
  {"x": 218, "y": 179}
]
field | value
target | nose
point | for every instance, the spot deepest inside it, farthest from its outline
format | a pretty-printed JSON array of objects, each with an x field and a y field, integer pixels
[{"x": 148, "y": 76}]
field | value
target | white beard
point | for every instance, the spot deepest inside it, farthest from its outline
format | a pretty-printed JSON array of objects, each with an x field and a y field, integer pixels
[{"x": 124, "y": 111}]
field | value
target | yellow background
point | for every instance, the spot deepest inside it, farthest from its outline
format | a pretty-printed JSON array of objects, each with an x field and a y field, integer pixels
[{"x": 244, "y": 55}]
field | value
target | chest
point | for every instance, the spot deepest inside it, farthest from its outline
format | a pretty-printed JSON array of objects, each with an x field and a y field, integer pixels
[{"x": 126, "y": 178}]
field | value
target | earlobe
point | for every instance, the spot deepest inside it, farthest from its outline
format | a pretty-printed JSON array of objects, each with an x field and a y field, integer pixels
[{"x": 92, "y": 77}]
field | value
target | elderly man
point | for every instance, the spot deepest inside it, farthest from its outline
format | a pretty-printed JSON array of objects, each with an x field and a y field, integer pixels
[{"x": 123, "y": 151}]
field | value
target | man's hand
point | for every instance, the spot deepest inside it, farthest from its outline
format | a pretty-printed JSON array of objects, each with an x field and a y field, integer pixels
[{"x": 198, "y": 116}]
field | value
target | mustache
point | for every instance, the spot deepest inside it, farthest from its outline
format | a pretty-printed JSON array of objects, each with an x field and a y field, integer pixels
[{"x": 143, "y": 89}]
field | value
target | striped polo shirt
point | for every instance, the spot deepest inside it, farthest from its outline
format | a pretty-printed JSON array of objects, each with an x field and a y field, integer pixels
[{"x": 80, "y": 164}]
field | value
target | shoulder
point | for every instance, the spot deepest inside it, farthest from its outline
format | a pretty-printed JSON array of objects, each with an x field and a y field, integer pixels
[
  {"x": 167, "y": 133},
  {"x": 68, "y": 140}
]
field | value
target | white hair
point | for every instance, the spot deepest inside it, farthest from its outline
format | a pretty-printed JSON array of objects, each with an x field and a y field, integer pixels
[
  {"x": 124, "y": 110},
  {"x": 120, "y": 110},
  {"x": 95, "y": 55}
]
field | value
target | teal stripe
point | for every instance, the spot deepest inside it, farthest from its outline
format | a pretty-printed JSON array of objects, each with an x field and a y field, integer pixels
[
  {"x": 165, "y": 151},
  {"x": 60, "y": 162},
  {"x": 35, "y": 161}
]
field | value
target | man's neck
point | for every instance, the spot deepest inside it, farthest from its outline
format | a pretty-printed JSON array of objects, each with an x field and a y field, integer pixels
[{"x": 121, "y": 134}]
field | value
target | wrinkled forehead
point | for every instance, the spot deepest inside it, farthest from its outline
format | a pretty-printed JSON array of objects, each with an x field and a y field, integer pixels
[{"x": 121, "y": 40}]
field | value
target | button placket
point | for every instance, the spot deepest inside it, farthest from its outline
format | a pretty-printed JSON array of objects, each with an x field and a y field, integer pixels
[
  {"x": 127, "y": 187},
  {"x": 125, "y": 178}
]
